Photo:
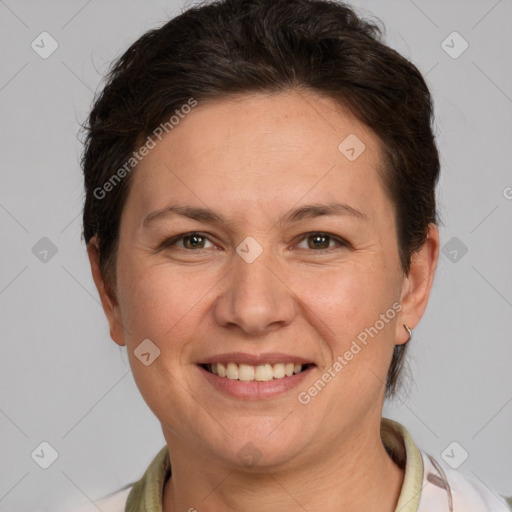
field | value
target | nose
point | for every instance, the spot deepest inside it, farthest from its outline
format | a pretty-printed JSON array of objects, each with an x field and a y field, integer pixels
[{"x": 255, "y": 297}]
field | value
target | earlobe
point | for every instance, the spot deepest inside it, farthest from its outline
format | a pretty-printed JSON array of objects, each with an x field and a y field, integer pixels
[
  {"x": 106, "y": 293},
  {"x": 418, "y": 284}
]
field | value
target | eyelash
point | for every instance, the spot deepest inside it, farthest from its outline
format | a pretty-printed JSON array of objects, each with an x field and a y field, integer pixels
[{"x": 171, "y": 242}]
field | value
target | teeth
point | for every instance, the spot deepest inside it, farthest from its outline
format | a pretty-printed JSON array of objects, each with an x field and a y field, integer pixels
[
  {"x": 278, "y": 371},
  {"x": 232, "y": 371},
  {"x": 245, "y": 372},
  {"x": 260, "y": 373},
  {"x": 264, "y": 373}
]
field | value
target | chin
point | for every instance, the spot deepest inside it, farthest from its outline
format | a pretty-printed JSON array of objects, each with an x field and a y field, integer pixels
[{"x": 267, "y": 444}]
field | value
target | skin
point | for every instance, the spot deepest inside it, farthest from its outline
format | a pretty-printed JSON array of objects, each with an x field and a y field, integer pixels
[{"x": 253, "y": 158}]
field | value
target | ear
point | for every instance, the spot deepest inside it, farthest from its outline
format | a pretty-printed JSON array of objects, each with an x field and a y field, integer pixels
[
  {"x": 106, "y": 293},
  {"x": 417, "y": 285}
]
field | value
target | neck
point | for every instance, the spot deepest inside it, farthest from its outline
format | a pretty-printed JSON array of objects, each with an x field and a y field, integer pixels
[{"x": 358, "y": 476}]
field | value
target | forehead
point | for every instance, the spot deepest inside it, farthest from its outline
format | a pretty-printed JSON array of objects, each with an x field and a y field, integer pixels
[{"x": 260, "y": 151}]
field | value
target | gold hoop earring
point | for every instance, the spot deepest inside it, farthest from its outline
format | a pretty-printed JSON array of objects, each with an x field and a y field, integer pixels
[{"x": 408, "y": 329}]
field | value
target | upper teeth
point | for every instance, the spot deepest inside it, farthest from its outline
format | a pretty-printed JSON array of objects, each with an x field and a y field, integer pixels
[{"x": 262, "y": 373}]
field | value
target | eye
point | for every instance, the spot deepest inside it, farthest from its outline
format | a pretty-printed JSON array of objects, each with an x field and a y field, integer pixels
[
  {"x": 319, "y": 240},
  {"x": 192, "y": 241},
  {"x": 195, "y": 241}
]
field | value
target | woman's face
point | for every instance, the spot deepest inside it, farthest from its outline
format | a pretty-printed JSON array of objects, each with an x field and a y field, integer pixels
[{"x": 265, "y": 277}]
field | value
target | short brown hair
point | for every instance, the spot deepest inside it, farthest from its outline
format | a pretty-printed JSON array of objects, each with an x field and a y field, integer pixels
[{"x": 220, "y": 48}]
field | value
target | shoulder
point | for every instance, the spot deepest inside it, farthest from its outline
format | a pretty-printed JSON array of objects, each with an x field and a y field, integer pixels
[
  {"x": 144, "y": 494},
  {"x": 115, "y": 502},
  {"x": 443, "y": 485},
  {"x": 112, "y": 502}
]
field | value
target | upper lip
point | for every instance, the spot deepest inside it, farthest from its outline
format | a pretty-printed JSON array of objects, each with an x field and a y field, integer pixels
[{"x": 255, "y": 359}]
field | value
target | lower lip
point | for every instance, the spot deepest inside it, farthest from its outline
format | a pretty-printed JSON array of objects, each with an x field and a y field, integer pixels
[{"x": 255, "y": 390}]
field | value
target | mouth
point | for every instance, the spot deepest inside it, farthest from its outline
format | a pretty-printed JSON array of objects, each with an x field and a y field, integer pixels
[
  {"x": 245, "y": 376},
  {"x": 255, "y": 373}
]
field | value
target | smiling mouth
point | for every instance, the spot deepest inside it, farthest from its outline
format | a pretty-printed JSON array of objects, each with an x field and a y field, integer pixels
[{"x": 259, "y": 373}]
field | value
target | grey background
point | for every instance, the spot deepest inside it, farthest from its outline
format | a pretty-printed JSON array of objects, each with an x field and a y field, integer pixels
[{"x": 65, "y": 382}]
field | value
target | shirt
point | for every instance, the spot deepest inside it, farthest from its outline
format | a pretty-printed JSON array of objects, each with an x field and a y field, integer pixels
[{"x": 429, "y": 485}]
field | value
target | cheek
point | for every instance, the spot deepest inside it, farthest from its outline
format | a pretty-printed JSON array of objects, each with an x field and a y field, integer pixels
[
  {"x": 157, "y": 302},
  {"x": 354, "y": 314},
  {"x": 349, "y": 298},
  {"x": 161, "y": 306},
  {"x": 356, "y": 320}
]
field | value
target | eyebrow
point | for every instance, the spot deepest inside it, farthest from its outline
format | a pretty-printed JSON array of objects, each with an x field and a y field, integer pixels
[{"x": 213, "y": 216}]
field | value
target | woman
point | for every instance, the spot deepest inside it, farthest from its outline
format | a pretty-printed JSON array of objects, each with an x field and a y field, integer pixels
[{"x": 261, "y": 226}]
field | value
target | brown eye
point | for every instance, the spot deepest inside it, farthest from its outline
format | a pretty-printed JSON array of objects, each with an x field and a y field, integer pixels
[
  {"x": 194, "y": 241},
  {"x": 318, "y": 241},
  {"x": 191, "y": 241},
  {"x": 322, "y": 241}
]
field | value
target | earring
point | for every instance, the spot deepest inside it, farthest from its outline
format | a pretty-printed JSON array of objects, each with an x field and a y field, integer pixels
[{"x": 408, "y": 329}]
